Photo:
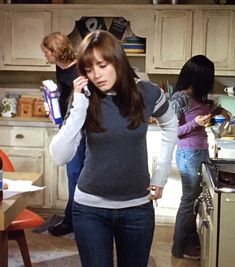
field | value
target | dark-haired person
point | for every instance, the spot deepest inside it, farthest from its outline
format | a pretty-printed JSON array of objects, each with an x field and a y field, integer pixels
[
  {"x": 195, "y": 82},
  {"x": 113, "y": 199},
  {"x": 58, "y": 50}
]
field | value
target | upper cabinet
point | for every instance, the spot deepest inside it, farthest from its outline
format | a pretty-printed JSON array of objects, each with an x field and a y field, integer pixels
[
  {"x": 139, "y": 25},
  {"x": 181, "y": 33},
  {"x": 171, "y": 41},
  {"x": 23, "y": 31},
  {"x": 215, "y": 38},
  {"x": 173, "y": 34}
]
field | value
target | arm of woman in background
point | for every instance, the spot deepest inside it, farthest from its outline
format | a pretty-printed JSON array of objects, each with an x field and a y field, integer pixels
[
  {"x": 180, "y": 104},
  {"x": 200, "y": 120}
]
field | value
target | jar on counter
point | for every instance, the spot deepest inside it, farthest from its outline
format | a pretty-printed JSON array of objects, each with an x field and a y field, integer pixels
[{"x": 8, "y": 107}]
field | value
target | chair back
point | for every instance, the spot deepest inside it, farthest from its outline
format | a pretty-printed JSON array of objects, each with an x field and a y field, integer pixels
[{"x": 7, "y": 164}]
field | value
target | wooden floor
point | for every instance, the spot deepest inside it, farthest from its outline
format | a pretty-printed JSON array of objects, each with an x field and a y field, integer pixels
[
  {"x": 47, "y": 251},
  {"x": 161, "y": 249}
]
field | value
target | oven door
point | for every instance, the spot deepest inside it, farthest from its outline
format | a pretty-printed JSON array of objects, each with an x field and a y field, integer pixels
[{"x": 207, "y": 234}]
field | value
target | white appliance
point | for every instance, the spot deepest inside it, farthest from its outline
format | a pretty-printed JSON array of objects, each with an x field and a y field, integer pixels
[{"x": 216, "y": 214}]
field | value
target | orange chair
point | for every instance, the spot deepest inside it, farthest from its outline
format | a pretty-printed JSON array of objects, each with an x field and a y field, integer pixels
[{"x": 26, "y": 219}]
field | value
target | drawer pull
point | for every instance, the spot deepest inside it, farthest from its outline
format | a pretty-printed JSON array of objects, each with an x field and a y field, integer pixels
[{"x": 19, "y": 136}]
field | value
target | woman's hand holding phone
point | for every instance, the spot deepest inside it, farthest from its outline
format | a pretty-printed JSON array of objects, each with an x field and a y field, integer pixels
[{"x": 80, "y": 85}]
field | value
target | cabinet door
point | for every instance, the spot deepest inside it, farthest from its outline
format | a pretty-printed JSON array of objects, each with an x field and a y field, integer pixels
[
  {"x": 28, "y": 160},
  {"x": 23, "y": 34},
  {"x": 62, "y": 187},
  {"x": 56, "y": 193},
  {"x": 172, "y": 39},
  {"x": 216, "y": 38}
]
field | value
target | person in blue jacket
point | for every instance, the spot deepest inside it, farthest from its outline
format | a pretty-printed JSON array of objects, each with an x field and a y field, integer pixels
[{"x": 58, "y": 50}]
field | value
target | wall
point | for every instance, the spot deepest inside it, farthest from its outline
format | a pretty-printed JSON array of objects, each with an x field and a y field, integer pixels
[{"x": 22, "y": 79}]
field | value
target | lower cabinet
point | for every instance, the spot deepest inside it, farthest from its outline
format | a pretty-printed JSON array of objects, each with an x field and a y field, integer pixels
[
  {"x": 55, "y": 178},
  {"x": 25, "y": 147},
  {"x": 28, "y": 149}
]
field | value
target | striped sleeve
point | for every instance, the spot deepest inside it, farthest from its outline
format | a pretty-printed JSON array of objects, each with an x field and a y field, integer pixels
[{"x": 161, "y": 105}]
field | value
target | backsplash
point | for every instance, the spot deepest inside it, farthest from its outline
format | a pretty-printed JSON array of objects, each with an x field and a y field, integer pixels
[
  {"x": 22, "y": 80},
  {"x": 28, "y": 80}
]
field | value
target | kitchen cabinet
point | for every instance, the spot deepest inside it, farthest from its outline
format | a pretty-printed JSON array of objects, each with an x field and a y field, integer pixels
[
  {"x": 28, "y": 149},
  {"x": 25, "y": 147},
  {"x": 55, "y": 178},
  {"x": 172, "y": 40},
  {"x": 23, "y": 31},
  {"x": 215, "y": 38},
  {"x": 139, "y": 25},
  {"x": 181, "y": 33},
  {"x": 173, "y": 34}
]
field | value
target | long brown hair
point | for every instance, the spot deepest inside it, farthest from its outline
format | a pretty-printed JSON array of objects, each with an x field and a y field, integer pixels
[
  {"x": 129, "y": 98},
  {"x": 60, "y": 45}
]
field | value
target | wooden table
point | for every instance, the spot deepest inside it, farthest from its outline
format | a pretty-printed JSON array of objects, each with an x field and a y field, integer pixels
[{"x": 11, "y": 207}]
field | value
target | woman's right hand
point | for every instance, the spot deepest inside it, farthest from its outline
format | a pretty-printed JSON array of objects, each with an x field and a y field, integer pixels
[
  {"x": 203, "y": 120},
  {"x": 79, "y": 83}
]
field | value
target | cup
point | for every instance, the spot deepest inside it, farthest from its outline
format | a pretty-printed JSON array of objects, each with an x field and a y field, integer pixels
[{"x": 230, "y": 90}]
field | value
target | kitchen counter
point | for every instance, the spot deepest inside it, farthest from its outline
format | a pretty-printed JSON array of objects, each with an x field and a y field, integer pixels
[
  {"x": 27, "y": 122},
  {"x": 44, "y": 122},
  {"x": 221, "y": 143}
]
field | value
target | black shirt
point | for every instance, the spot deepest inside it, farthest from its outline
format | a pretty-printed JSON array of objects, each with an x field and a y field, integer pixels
[{"x": 65, "y": 79}]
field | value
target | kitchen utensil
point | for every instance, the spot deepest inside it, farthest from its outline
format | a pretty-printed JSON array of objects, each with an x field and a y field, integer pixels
[{"x": 229, "y": 90}]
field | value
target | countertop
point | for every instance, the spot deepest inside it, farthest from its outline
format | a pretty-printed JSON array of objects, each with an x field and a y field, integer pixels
[
  {"x": 27, "y": 122},
  {"x": 44, "y": 122},
  {"x": 228, "y": 144}
]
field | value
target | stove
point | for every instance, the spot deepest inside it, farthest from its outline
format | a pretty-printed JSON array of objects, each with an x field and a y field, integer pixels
[
  {"x": 217, "y": 213},
  {"x": 221, "y": 173}
]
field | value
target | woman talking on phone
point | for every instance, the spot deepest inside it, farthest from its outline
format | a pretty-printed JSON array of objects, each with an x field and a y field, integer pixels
[{"x": 114, "y": 196}]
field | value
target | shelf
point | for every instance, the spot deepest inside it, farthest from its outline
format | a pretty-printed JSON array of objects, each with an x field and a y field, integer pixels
[{"x": 135, "y": 55}]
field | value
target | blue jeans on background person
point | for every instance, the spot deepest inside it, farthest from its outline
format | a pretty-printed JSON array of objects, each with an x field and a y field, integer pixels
[
  {"x": 189, "y": 163},
  {"x": 96, "y": 229},
  {"x": 73, "y": 171}
]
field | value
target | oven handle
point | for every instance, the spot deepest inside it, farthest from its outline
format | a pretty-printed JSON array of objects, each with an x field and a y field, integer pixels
[
  {"x": 199, "y": 200},
  {"x": 206, "y": 224}
]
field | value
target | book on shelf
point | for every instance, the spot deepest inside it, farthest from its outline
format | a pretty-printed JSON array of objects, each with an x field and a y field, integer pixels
[
  {"x": 118, "y": 27},
  {"x": 86, "y": 25}
]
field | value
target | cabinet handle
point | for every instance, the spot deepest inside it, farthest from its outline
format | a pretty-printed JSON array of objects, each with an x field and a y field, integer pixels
[{"x": 19, "y": 136}]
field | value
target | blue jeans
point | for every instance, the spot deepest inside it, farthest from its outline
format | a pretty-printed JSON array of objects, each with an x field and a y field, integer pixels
[
  {"x": 96, "y": 229},
  {"x": 73, "y": 171},
  {"x": 189, "y": 163}
]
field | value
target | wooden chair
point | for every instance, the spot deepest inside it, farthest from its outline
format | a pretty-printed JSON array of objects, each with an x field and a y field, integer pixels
[{"x": 26, "y": 219}]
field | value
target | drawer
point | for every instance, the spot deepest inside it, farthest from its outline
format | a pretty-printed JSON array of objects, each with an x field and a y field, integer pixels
[{"x": 22, "y": 137}]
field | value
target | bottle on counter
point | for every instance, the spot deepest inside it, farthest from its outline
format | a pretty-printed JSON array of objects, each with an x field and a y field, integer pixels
[{"x": 1, "y": 181}]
